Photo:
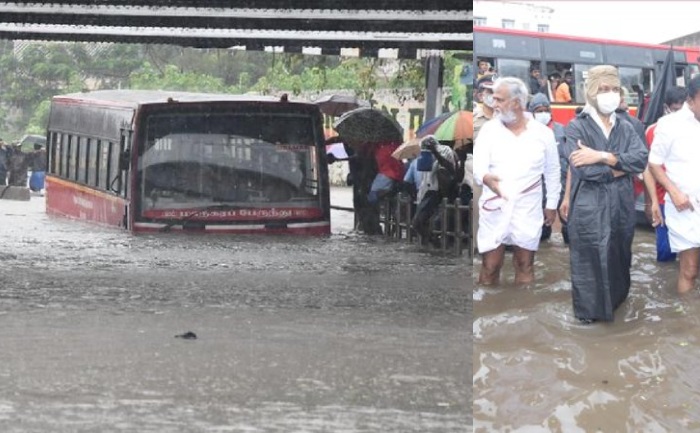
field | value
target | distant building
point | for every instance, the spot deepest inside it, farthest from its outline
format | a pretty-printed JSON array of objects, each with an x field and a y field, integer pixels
[
  {"x": 512, "y": 15},
  {"x": 691, "y": 40}
]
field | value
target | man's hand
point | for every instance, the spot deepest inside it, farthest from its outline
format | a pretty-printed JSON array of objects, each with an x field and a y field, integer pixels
[
  {"x": 681, "y": 201},
  {"x": 430, "y": 144},
  {"x": 564, "y": 209},
  {"x": 549, "y": 216},
  {"x": 493, "y": 182},
  {"x": 653, "y": 213},
  {"x": 584, "y": 156}
]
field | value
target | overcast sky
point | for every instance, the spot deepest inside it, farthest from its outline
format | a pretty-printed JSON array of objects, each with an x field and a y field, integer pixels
[{"x": 639, "y": 21}]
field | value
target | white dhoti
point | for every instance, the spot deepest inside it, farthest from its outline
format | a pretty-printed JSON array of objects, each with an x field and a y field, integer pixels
[
  {"x": 683, "y": 227},
  {"x": 516, "y": 220}
]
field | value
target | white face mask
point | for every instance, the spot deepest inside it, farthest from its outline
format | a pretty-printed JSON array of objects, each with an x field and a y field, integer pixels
[
  {"x": 543, "y": 117},
  {"x": 608, "y": 102}
]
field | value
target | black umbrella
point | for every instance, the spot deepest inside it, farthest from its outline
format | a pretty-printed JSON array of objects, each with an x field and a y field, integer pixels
[
  {"x": 368, "y": 125},
  {"x": 667, "y": 79},
  {"x": 335, "y": 105}
]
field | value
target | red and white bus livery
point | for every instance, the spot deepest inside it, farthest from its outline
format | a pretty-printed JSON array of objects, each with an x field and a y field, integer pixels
[
  {"x": 517, "y": 52},
  {"x": 160, "y": 161}
]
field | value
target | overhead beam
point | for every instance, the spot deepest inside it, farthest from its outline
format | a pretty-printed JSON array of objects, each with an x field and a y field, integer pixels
[
  {"x": 405, "y": 5},
  {"x": 224, "y": 38},
  {"x": 367, "y": 25},
  {"x": 221, "y": 22}
]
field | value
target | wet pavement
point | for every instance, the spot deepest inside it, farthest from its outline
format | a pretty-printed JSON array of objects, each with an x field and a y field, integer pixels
[
  {"x": 339, "y": 334},
  {"x": 537, "y": 369}
]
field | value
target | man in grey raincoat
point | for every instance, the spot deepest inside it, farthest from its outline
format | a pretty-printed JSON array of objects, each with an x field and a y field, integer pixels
[{"x": 604, "y": 154}]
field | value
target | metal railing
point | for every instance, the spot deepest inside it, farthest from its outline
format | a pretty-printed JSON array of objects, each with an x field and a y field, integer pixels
[{"x": 448, "y": 223}]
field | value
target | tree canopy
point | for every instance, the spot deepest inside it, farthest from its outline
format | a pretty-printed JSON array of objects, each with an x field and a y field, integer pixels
[{"x": 31, "y": 73}]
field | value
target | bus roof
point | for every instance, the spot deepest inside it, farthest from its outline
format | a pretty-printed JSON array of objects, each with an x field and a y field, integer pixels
[
  {"x": 135, "y": 98},
  {"x": 547, "y": 35}
]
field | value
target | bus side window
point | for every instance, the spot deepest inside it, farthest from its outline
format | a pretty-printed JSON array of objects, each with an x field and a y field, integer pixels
[
  {"x": 73, "y": 158},
  {"x": 559, "y": 73},
  {"x": 631, "y": 78},
  {"x": 485, "y": 66},
  {"x": 113, "y": 167},
  {"x": 680, "y": 76},
  {"x": 515, "y": 68},
  {"x": 54, "y": 153},
  {"x": 92, "y": 162},
  {"x": 694, "y": 70},
  {"x": 647, "y": 80}
]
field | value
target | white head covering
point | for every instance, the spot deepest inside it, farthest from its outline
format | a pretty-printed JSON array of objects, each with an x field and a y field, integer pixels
[{"x": 598, "y": 75}]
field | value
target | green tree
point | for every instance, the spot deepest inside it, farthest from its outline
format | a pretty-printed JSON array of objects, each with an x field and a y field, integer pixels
[
  {"x": 172, "y": 78},
  {"x": 111, "y": 66},
  {"x": 31, "y": 76},
  {"x": 40, "y": 118}
]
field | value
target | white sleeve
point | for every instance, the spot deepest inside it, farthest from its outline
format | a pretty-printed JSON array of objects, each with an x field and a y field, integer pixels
[
  {"x": 552, "y": 171},
  {"x": 469, "y": 172},
  {"x": 482, "y": 155},
  {"x": 661, "y": 146}
]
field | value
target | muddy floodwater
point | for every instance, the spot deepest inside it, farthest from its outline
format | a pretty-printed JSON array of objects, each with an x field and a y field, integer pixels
[
  {"x": 345, "y": 333},
  {"x": 537, "y": 369}
]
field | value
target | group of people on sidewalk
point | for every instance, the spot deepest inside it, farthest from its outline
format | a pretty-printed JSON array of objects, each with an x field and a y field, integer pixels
[
  {"x": 376, "y": 175},
  {"x": 15, "y": 164},
  {"x": 586, "y": 173}
]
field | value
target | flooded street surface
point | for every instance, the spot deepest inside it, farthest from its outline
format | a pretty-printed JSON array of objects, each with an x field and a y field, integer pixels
[
  {"x": 338, "y": 334},
  {"x": 536, "y": 369}
]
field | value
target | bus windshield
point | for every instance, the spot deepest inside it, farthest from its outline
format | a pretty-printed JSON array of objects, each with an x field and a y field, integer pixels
[{"x": 243, "y": 160}]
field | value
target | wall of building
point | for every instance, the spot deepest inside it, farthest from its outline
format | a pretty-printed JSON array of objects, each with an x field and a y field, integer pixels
[{"x": 521, "y": 16}]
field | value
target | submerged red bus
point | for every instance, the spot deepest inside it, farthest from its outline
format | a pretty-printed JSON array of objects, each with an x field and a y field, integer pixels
[{"x": 156, "y": 161}]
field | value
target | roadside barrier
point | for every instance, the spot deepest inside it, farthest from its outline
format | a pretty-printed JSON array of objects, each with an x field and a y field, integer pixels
[{"x": 451, "y": 224}]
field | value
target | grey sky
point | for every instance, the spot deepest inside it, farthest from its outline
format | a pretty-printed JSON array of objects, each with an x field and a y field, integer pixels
[{"x": 639, "y": 21}]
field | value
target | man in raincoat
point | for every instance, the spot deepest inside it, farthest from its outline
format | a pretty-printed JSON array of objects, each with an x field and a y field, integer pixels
[
  {"x": 511, "y": 155},
  {"x": 604, "y": 154}
]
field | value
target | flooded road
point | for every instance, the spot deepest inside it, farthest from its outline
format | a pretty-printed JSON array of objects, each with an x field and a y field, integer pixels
[
  {"x": 338, "y": 334},
  {"x": 536, "y": 369}
]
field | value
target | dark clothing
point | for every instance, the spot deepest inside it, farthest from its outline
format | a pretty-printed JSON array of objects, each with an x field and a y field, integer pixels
[
  {"x": 560, "y": 137},
  {"x": 367, "y": 214},
  {"x": 636, "y": 123},
  {"x": 18, "y": 165},
  {"x": 38, "y": 161},
  {"x": 424, "y": 213},
  {"x": 4, "y": 165},
  {"x": 536, "y": 87},
  {"x": 572, "y": 89},
  {"x": 602, "y": 217}
]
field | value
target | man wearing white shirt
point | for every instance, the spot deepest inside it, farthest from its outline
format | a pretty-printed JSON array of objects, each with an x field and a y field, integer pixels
[
  {"x": 511, "y": 154},
  {"x": 675, "y": 146}
]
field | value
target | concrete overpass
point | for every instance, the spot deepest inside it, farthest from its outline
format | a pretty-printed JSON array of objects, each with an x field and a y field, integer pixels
[{"x": 373, "y": 28}]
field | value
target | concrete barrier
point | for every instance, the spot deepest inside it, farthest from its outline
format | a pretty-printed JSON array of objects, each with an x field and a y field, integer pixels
[{"x": 18, "y": 193}]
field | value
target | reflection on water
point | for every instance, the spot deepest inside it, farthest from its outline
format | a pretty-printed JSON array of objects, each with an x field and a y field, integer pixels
[{"x": 537, "y": 369}]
